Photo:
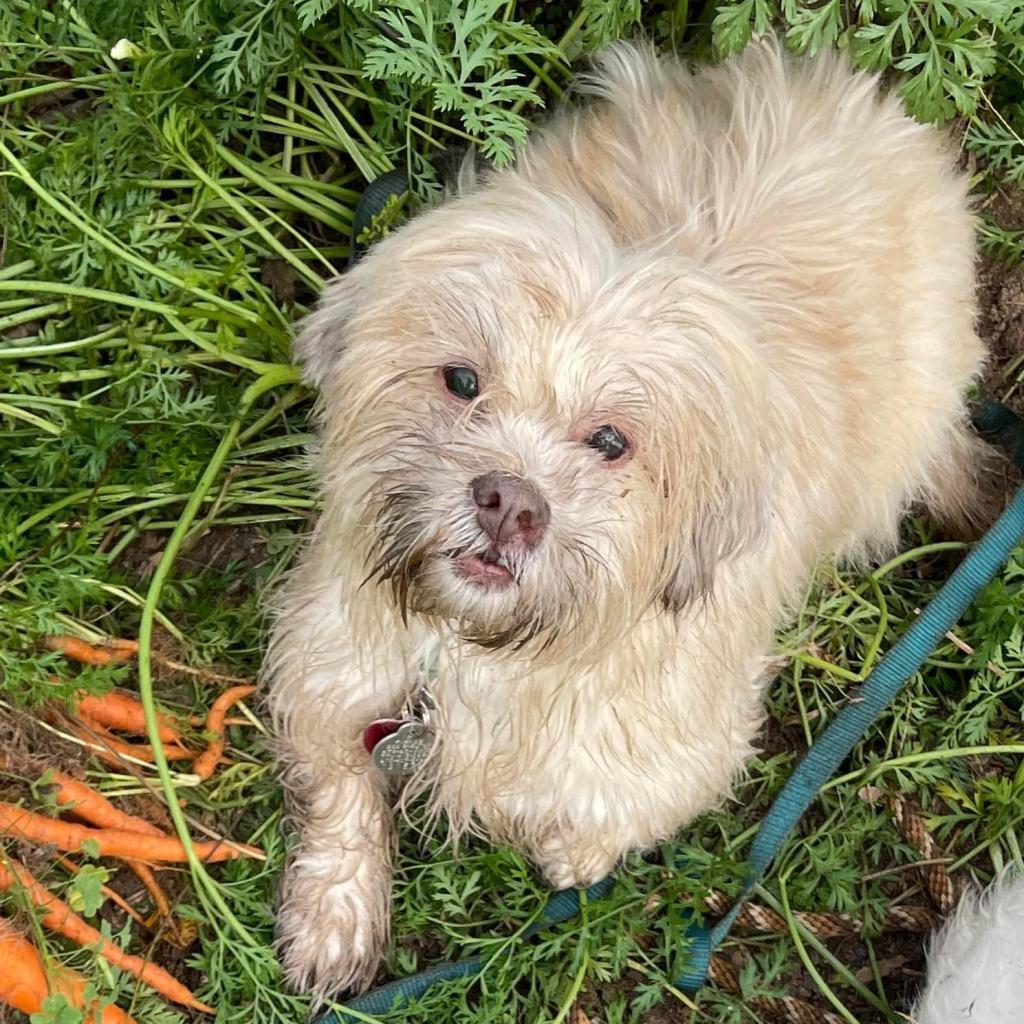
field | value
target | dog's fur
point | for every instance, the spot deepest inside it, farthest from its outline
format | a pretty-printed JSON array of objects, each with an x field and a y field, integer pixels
[
  {"x": 763, "y": 274},
  {"x": 976, "y": 962}
]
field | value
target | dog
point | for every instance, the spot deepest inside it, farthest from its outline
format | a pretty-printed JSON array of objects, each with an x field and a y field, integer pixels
[{"x": 585, "y": 431}]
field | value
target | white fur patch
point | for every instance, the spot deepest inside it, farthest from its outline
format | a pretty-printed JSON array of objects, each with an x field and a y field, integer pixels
[{"x": 976, "y": 962}]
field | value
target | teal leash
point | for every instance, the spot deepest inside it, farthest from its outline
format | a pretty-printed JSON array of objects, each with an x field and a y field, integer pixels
[
  {"x": 852, "y": 721},
  {"x": 997, "y": 424}
]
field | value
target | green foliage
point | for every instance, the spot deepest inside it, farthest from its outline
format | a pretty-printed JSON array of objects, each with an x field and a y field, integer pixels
[
  {"x": 168, "y": 214},
  {"x": 57, "y": 1010},
  {"x": 947, "y": 53},
  {"x": 84, "y": 895},
  {"x": 455, "y": 55},
  {"x": 605, "y": 22}
]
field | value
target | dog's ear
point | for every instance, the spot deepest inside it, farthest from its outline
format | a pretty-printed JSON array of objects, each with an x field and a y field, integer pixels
[
  {"x": 728, "y": 519},
  {"x": 323, "y": 334},
  {"x": 720, "y": 494}
]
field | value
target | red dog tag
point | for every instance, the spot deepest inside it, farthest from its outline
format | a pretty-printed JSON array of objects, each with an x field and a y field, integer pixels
[{"x": 377, "y": 730}]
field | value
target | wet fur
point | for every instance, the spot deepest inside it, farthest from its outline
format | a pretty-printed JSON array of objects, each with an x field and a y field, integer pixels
[{"x": 763, "y": 272}]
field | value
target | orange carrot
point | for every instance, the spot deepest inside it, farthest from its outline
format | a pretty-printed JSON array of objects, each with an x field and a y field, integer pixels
[
  {"x": 60, "y": 918},
  {"x": 25, "y": 982},
  {"x": 205, "y": 763},
  {"x": 115, "y": 749},
  {"x": 89, "y": 654},
  {"x": 123, "y": 712},
  {"x": 111, "y": 894},
  {"x": 160, "y": 901},
  {"x": 23, "y": 824},
  {"x": 84, "y": 802}
]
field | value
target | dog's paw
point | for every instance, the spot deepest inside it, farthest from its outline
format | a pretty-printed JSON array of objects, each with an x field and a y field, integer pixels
[
  {"x": 332, "y": 924},
  {"x": 567, "y": 862}
]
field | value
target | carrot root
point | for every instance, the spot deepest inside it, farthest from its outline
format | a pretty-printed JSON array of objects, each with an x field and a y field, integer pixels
[
  {"x": 23, "y": 824},
  {"x": 114, "y": 750},
  {"x": 84, "y": 802},
  {"x": 206, "y": 762},
  {"x": 124, "y": 713},
  {"x": 25, "y": 982},
  {"x": 161, "y": 903},
  {"x": 72, "y": 647},
  {"x": 59, "y": 917}
]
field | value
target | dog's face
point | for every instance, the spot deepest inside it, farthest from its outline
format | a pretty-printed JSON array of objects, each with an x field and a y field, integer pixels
[{"x": 538, "y": 431}]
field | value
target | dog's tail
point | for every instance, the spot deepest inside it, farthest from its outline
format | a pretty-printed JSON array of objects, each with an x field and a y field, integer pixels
[{"x": 976, "y": 962}]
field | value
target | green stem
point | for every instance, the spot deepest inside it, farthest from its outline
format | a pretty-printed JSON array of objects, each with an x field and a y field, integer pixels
[
  {"x": 17, "y": 269},
  {"x": 310, "y": 276},
  {"x": 315, "y": 210},
  {"x": 873, "y": 771},
  {"x": 85, "y": 82},
  {"x": 838, "y": 670},
  {"x": 206, "y": 887},
  {"x": 826, "y": 954},
  {"x": 26, "y": 316},
  {"x": 81, "y": 292},
  {"x": 915, "y": 553},
  {"x": 29, "y": 417},
  {"x": 794, "y": 933},
  {"x": 43, "y": 351}
]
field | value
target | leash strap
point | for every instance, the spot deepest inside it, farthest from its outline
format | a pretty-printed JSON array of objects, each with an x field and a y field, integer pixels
[{"x": 371, "y": 202}]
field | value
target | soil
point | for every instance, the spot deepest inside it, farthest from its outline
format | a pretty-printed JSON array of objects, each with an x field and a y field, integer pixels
[
  {"x": 217, "y": 548},
  {"x": 1001, "y": 301}
]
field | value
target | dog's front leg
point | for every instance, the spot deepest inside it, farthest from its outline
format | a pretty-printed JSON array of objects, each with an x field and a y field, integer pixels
[
  {"x": 570, "y": 858},
  {"x": 332, "y": 922}
]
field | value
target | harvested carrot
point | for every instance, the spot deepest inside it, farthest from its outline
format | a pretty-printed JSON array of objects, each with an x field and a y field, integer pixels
[
  {"x": 124, "y": 713},
  {"x": 145, "y": 874},
  {"x": 179, "y": 933},
  {"x": 111, "y": 894},
  {"x": 72, "y": 647},
  {"x": 205, "y": 763},
  {"x": 60, "y": 918},
  {"x": 114, "y": 749},
  {"x": 25, "y": 982},
  {"x": 84, "y": 802},
  {"x": 110, "y": 842}
]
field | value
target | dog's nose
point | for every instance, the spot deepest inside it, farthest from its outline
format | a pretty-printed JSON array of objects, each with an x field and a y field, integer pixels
[{"x": 508, "y": 507}]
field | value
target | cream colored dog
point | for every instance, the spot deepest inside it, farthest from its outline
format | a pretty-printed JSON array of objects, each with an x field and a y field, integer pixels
[{"x": 586, "y": 430}]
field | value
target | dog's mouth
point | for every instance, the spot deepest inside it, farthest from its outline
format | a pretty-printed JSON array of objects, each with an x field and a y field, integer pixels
[{"x": 490, "y": 571}]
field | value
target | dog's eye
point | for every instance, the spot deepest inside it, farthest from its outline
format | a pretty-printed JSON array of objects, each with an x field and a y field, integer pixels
[
  {"x": 609, "y": 441},
  {"x": 462, "y": 381}
]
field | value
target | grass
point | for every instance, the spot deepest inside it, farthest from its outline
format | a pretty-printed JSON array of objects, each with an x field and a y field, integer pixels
[{"x": 168, "y": 213}]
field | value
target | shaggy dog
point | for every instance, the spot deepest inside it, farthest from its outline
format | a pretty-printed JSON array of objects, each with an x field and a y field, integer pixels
[{"x": 586, "y": 429}]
